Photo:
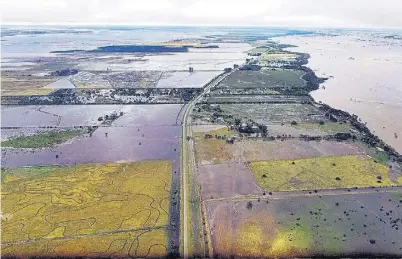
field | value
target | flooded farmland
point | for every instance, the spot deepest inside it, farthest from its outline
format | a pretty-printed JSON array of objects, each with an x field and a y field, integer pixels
[
  {"x": 143, "y": 132},
  {"x": 184, "y": 79},
  {"x": 105, "y": 145},
  {"x": 87, "y": 115},
  {"x": 364, "y": 71},
  {"x": 323, "y": 224},
  {"x": 166, "y": 136}
]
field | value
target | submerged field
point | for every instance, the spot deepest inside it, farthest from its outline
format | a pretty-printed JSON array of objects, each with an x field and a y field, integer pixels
[
  {"x": 70, "y": 134},
  {"x": 307, "y": 225},
  {"x": 87, "y": 115},
  {"x": 42, "y": 139},
  {"x": 56, "y": 211},
  {"x": 322, "y": 173}
]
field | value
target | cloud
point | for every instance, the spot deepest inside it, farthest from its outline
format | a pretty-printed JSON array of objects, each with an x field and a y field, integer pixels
[{"x": 294, "y": 13}]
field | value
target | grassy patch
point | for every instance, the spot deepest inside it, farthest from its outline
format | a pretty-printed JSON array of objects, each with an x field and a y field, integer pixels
[
  {"x": 293, "y": 241},
  {"x": 321, "y": 173},
  {"x": 34, "y": 91},
  {"x": 212, "y": 149},
  {"x": 326, "y": 127},
  {"x": 41, "y": 140},
  {"x": 277, "y": 56},
  {"x": 379, "y": 156},
  {"x": 266, "y": 113},
  {"x": 95, "y": 208},
  {"x": 259, "y": 50},
  {"x": 265, "y": 78}
]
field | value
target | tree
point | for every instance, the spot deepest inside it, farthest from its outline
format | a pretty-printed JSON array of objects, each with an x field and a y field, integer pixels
[{"x": 264, "y": 130}]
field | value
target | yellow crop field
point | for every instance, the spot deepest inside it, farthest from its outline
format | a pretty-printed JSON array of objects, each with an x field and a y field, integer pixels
[
  {"x": 322, "y": 173},
  {"x": 83, "y": 210},
  {"x": 33, "y": 91},
  {"x": 140, "y": 243},
  {"x": 257, "y": 235},
  {"x": 327, "y": 127},
  {"x": 291, "y": 242},
  {"x": 212, "y": 150},
  {"x": 277, "y": 56}
]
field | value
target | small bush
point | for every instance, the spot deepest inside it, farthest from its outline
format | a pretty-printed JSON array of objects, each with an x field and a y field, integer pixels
[{"x": 249, "y": 205}]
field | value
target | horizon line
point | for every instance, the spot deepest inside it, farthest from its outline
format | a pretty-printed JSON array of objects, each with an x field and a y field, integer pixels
[{"x": 195, "y": 25}]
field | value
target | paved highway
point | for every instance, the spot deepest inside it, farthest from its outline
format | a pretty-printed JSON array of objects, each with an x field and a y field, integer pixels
[{"x": 186, "y": 149}]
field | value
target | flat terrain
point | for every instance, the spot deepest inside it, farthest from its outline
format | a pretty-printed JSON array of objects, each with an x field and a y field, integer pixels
[
  {"x": 268, "y": 78},
  {"x": 18, "y": 83},
  {"x": 248, "y": 167},
  {"x": 27, "y": 92},
  {"x": 307, "y": 225},
  {"x": 106, "y": 144},
  {"x": 43, "y": 139},
  {"x": 274, "y": 113},
  {"x": 143, "y": 132},
  {"x": 215, "y": 151},
  {"x": 311, "y": 129},
  {"x": 322, "y": 173},
  {"x": 261, "y": 113},
  {"x": 275, "y": 98},
  {"x": 226, "y": 180},
  {"x": 277, "y": 56},
  {"x": 87, "y": 115},
  {"x": 185, "y": 79},
  {"x": 79, "y": 216}
]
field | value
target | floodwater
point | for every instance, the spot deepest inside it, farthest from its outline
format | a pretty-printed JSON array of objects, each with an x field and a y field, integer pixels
[
  {"x": 144, "y": 132},
  {"x": 335, "y": 225},
  {"x": 87, "y": 115},
  {"x": 61, "y": 84},
  {"x": 365, "y": 75},
  {"x": 186, "y": 79},
  {"x": 120, "y": 144},
  {"x": 200, "y": 61}
]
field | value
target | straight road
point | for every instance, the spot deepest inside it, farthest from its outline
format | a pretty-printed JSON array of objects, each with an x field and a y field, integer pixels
[{"x": 186, "y": 150}]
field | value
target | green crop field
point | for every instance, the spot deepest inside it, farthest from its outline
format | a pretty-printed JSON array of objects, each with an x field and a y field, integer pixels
[{"x": 42, "y": 139}]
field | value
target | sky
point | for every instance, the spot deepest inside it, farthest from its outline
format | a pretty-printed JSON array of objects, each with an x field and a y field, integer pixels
[{"x": 284, "y": 13}]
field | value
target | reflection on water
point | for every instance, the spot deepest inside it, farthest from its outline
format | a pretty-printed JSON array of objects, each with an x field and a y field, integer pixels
[{"x": 365, "y": 75}]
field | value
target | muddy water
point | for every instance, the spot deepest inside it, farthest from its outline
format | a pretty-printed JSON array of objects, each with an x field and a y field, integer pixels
[
  {"x": 87, "y": 115},
  {"x": 365, "y": 73},
  {"x": 61, "y": 84},
  {"x": 120, "y": 144}
]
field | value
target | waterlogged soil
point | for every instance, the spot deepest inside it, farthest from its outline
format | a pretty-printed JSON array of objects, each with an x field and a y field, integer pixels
[
  {"x": 107, "y": 144},
  {"x": 364, "y": 71},
  {"x": 172, "y": 62},
  {"x": 226, "y": 180},
  {"x": 266, "y": 113},
  {"x": 12, "y": 133},
  {"x": 61, "y": 84},
  {"x": 307, "y": 225},
  {"x": 186, "y": 79},
  {"x": 265, "y": 78},
  {"x": 258, "y": 150},
  {"x": 144, "y": 132},
  {"x": 87, "y": 115}
]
